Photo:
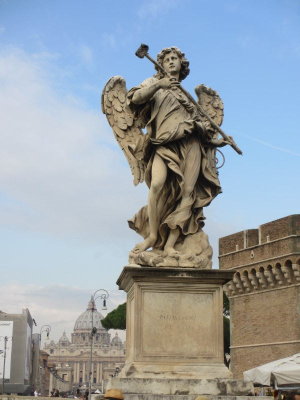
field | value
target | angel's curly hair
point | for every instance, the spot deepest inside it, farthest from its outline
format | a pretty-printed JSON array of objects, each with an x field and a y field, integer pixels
[{"x": 184, "y": 62}]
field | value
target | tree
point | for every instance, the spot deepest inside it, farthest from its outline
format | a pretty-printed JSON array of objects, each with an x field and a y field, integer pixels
[
  {"x": 116, "y": 319},
  {"x": 226, "y": 325},
  {"x": 226, "y": 310}
]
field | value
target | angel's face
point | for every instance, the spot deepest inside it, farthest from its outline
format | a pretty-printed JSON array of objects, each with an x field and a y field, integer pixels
[{"x": 172, "y": 63}]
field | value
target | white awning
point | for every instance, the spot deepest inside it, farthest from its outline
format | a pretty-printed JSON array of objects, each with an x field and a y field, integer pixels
[{"x": 283, "y": 372}]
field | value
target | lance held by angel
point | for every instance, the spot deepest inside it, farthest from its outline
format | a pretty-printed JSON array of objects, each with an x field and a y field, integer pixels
[{"x": 176, "y": 158}]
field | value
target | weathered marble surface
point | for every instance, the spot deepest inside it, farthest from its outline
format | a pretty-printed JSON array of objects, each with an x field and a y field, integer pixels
[
  {"x": 194, "y": 252},
  {"x": 147, "y": 396},
  {"x": 174, "y": 323},
  {"x": 176, "y": 158},
  {"x": 182, "y": 387}
]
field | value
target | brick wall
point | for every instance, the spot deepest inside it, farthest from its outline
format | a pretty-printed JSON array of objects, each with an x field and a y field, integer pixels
[
  {"x": 243, "y": 248},
  {"x": 264, "y": 317},
  {"x": 247, "y": 358},
  {"x": 280, "y": 228},
  {"x": 265, "y": 292}
]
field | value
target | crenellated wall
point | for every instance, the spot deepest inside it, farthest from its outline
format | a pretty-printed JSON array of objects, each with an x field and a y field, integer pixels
[{"x": 264, "y": 293}]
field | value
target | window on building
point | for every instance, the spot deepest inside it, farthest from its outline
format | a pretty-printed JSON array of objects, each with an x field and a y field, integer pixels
[{"x": 94, "y": 380}]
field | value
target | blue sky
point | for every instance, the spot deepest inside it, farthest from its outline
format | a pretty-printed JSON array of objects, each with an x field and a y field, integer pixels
[{"x": 65, "y": 188}]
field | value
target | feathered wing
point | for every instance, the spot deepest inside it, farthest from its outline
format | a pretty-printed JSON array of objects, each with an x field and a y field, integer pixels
[
  {"x": 124, "y": 125},
  {"x": 211, "y": 103}
]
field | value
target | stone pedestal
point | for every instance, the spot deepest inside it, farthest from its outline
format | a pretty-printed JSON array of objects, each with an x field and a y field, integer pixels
[{"x": 174, "y": 342}]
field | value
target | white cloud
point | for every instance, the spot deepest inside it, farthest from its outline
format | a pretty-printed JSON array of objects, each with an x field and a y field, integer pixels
[
  {"x": 56, "y": 305},
  {"x": 109, "y": 39},
  {"x": 60, "y": 169},
  {"x": 154, "y": 8},
  {"x": 86, "y": 55},
  {"x": 272, "y": 146}
]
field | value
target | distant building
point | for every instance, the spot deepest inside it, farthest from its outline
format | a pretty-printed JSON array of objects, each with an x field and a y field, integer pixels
[
  {"x": 72, "y": 358},
  {"x": 40, "y": 376},
  {"x": 264, "y": 293},
  {"x": 19, "y": 348},
  {"x": 43, "y": 380}
]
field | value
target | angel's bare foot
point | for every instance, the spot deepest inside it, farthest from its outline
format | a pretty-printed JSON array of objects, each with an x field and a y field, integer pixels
[
  {"x": 170, "y": 251},
  {"x": 146, "y": 244}
]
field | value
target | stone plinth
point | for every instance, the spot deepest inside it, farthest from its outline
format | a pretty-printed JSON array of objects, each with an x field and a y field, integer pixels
[
  {"x": 174, "y": 333},
  {"x": 190, "y": 397},
  {"x": 147, "y": 387}
]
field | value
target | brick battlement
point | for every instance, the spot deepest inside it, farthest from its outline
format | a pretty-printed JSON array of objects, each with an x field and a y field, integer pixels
[
  {"x": 264, "y": 292},
  {"x": 278, "y": 238}
]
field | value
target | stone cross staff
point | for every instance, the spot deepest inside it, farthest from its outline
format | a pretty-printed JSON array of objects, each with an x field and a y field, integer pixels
[{"x": 142, "y": 52}]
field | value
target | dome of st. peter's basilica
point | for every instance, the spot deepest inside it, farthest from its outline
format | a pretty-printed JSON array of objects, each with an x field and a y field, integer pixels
[{"x": 89, "y": 318}]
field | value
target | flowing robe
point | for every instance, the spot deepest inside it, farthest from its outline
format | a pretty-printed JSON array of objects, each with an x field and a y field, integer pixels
[{"x": 179, "y": 138}]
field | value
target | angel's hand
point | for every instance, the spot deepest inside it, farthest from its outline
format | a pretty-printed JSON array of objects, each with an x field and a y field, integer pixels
[
  {"x": 221, "y": 142},
  {"x": 228, "y": 141},
  {"x": 168, "y": 83}
]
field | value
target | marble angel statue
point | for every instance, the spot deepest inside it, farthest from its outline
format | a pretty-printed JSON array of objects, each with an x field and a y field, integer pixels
[{"x": 176, "y": 158}]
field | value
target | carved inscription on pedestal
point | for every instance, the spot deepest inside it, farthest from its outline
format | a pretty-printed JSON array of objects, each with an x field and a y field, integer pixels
[{"x": 176, "y": 324}]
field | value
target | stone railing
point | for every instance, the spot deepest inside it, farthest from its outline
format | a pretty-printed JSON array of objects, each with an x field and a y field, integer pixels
[{"x": 263, "y": 278}]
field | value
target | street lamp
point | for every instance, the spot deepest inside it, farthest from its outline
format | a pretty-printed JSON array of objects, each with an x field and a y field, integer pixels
[
  {"x": 4, "y": 360},
  {"x": 104, "y": 296}
]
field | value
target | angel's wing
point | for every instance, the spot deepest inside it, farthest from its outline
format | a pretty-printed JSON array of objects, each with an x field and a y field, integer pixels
[
  {"x": 125, "y": 125},
  {"x": 211, "y": 103}
]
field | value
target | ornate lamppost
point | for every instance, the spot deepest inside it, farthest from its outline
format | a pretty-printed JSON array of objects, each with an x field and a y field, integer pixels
[
  {"x": 40, "y": 371},
  {"x": 104, "y": 296}
]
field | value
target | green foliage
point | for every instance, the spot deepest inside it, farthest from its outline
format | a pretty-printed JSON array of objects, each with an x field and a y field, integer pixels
[
  {"x": 116, "y": 319},
  {"x": 226, "y": 324},
  {"x": 226, "y": 308}
]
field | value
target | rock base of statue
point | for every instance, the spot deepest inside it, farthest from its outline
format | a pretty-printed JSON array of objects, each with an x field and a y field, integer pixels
[
  {"x": 174, "y": 336},
  {"x": 194, "y": 252}
]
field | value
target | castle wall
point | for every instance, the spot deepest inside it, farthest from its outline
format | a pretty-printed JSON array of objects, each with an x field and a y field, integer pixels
[
  {"x": 265, "y": 327},
  {"x": 264, "y": 293}
]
